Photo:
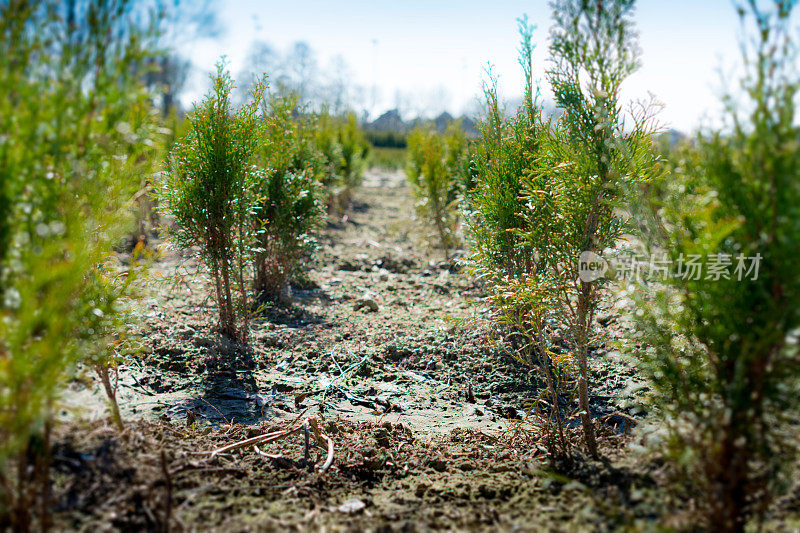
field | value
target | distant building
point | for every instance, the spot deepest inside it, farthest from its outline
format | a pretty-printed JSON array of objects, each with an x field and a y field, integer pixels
[
  {"x": 389, "y": 121},
  {"x": 392, "y": 122}
]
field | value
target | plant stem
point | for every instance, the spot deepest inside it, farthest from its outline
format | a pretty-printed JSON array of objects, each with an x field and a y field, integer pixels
[
  {"x": 111, "y": 392},
  {"x": 584, "y": 297},
  {"x": 547, "y": 364},
  {"x": 226, "y": 307},
  {"x": 240, "y": 271}
]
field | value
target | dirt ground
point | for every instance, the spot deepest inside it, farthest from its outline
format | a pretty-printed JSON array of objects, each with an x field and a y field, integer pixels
[
  {"x": 388, "y": 348},
  {"x": 382, "y": 327}
]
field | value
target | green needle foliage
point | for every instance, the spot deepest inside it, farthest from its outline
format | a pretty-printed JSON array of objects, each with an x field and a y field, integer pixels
[
  {"x": 724, "y": 357},
  {"x": 210, "y": 191},
  {"x": 355, "y": 151},
  {"x": 345, "y": 151},
  {"x": 76, "y": 135},
  {"x": 511, "y": 259},
  {"x": 587, "y": 163},
  {"x": 290, "y": 190},
  {"x": 433, "y": 172},
  {"x": 503, "y": 154}
]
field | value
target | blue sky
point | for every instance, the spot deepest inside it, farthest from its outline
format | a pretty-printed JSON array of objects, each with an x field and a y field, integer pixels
[{"x": 436, "y": 51}]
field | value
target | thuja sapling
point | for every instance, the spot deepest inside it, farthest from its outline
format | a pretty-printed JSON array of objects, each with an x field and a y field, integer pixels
[
  {"x": 290, "y": 191},
  {"x": 511, "y": 261},
  {"x": 587, "y": 165},
  {"x": 432, "y": 172},
  {"x": 209, "y": 191},
  {"x": 77, "y": 132},
  {"x": 345, "y": 149},
  {"x": 723, "y": 356}
]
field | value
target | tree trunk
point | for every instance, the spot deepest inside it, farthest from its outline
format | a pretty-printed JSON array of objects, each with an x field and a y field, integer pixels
[
  {"x": 732, "y": 468},
  {"x": 220, "y": 294}
]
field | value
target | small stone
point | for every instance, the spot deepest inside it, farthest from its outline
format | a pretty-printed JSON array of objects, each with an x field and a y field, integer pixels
[
  {"x": 366, "y": 303},
  {"x": 349, "y": 266},
  {"x": 352, "y": 506},
  {"x": 605, "y": 319}
]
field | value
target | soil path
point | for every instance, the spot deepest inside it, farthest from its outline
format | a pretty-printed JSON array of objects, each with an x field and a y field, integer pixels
[
  {"x": 381, "y": 328},
  {"x": 388, "y": 347}
]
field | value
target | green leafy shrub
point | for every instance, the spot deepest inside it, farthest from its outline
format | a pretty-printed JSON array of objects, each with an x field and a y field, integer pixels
[
  {"x": 586, "y": 167},
  {"x": 432, "y": 171},
  {"x": 511, "y": 261},
  {"x": 209, "y": 191},
  {"x": 345, "y": 151},
  {"x": 387, "y": 158},
  {"x": 386, "y": 139},
  {"x": 76, "y": 134},
  {"x": 290, "y": 191},
  {"x": 723, "y": 356},
  {"x": 492, "y": 174},
  {"x": 355, "y": 150}
]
